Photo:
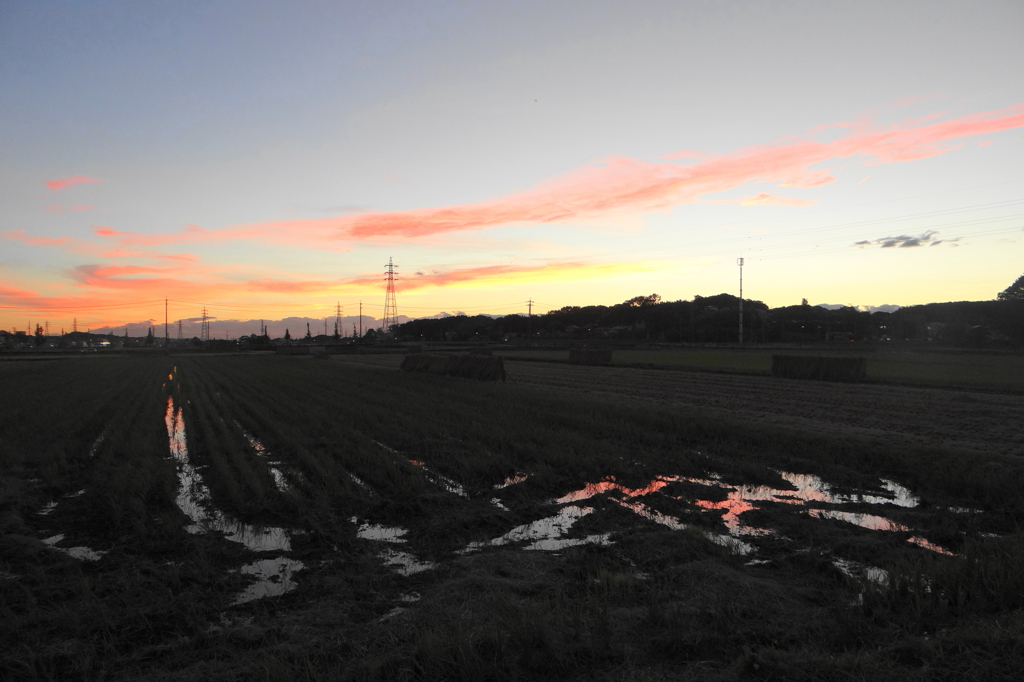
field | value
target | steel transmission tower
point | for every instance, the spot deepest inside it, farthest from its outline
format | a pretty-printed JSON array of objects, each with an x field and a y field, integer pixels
[
  {"x": 204, "y": 330},
  {"x": 390, "y": 307},
  {"x": 337, "y": 321}
]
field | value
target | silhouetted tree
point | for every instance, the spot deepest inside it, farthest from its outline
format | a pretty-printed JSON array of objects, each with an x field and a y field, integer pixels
[
  {"x": 1014, "y": 292},
  {"x": 40, "y": 338},
  {"x": 309, "y": 334},
  {"x": 149, "y": 337},
  {"x": 287, "y": 336}
]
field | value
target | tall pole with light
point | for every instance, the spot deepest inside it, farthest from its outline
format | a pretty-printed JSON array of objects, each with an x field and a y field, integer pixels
[{"x": 739, "y": 262}]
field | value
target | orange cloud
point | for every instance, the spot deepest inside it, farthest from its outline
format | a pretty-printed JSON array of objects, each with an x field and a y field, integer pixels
[
  {"x": 63, "y": 183},
  {"x": 22, "y": 236}
]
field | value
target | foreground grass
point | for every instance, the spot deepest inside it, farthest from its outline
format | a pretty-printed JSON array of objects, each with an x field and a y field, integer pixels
[
  {"x": 996, "y": 372},
  {"x": 653, "y": 604}
]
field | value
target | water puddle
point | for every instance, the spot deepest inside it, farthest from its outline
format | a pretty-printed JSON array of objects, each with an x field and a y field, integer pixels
[
  {"x": 96, "y": 445},
  {"x": 511, "y": 480},
  {"x": 591, "y": 489},
  {"x": 361, "y": 483},
  {"x": 869, "y": 521},
  {"x": 369, "y": 531},
  {"x": 47, "y": 508},
  {"x": 855, "y": 570},
  {"x": 437, "y": 479},
  {"x": 280, "y": 482},
  {"x": 80, "y": 553},
  {"x": 404, "y": 563},
  {"x": 922, "y": 542},
  {"x": 274, "y": 578},
  {"x": 194, "y": 497},
  {"x": 806, "y": 489},
  {"x": 497, "y": 503},
  {"x": 731, "y": 543},
  {"x": 440, "y": 480},
  {"x": 545, "y": 534}
]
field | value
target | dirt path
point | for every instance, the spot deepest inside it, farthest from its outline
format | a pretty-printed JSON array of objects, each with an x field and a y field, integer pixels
[{"x": 979, "y": 421}]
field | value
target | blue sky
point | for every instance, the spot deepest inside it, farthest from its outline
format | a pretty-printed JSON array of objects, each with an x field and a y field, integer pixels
[{"x": 265, "y": 159}]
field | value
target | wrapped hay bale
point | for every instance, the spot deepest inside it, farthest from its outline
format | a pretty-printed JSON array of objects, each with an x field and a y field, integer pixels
[
  {"x": 819, "y": 368},
  {"x": 477, "y": 367},
  {"x": 590, "y": 356},
  {"x": 431, "y": 364}
]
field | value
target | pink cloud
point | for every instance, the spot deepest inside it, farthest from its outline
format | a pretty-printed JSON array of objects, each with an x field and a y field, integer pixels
[
  {"x": 63, "y": 183},
  {"x": 624, "y": 186},
  {"x": 621, "y": 184},
  {"x": 984, "y": 143},
  {"x": 105, "y": 231},
  {"x": 22, "y": 237},
  {"x": 864, "y": 180}
]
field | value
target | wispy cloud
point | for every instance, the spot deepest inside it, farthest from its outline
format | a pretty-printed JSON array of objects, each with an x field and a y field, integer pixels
[
  {"x": 624, "y": 186},
  {"x": 906, "y": 241},
  {"x": 64, "y": 183}
]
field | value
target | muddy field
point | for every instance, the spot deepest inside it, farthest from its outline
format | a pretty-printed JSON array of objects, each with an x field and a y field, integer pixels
[{"x": 213, "y": 517}]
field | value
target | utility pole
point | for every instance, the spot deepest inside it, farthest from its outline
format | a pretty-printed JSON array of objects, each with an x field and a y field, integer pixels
[
  {"x": 390, "y": 306},
  {"x": 360, "y": 319},
  {"x": 179, "y": 330},
  {"x": 74, "y": 327},
  {"x": 167, "y": 334},
  {"x": 529, "y": 319},
  {"x": 739, "y": 261}
]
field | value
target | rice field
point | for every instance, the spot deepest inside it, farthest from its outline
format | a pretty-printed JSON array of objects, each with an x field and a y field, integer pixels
[
  {"x": 982, "y": 371},
  {"x": 202, "y": 517}
]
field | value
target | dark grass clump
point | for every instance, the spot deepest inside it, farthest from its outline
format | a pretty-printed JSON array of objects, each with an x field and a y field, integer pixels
[{"x": 475, "y": 366}]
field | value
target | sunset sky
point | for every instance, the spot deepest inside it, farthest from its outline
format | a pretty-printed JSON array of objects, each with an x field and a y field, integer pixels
[{"x": 265, "y": 159}]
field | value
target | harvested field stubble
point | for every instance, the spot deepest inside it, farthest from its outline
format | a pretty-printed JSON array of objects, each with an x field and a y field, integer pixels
[{"x": 434, "y": 483}]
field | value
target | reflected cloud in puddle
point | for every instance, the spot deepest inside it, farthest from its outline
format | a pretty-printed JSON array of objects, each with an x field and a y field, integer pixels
[
  {"x": 806, "y": 489},
  {"x": 730, "y": 543},
  {"x": 194, "y": 497},
  {"x": 274, "y": 578},
  {"x": 511, "y": 480},
  {"x": 922, "y": 542}
]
